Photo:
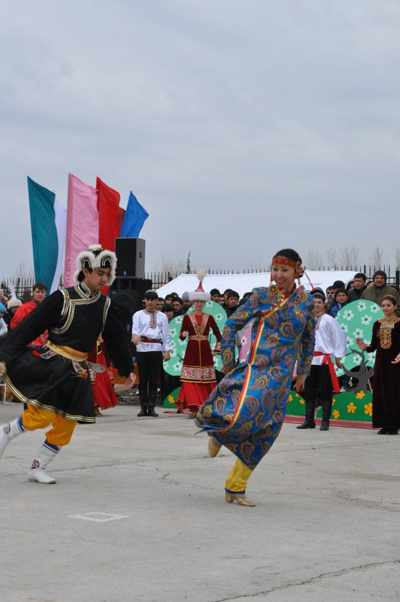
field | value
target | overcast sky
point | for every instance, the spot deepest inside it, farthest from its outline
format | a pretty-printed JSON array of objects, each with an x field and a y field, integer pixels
[{"x": 242, "y": 126}]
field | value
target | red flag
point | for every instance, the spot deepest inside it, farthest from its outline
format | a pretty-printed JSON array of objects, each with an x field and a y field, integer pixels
[
  {"x": 121, "y": 216},
  {"x": 108, "y": 207}
]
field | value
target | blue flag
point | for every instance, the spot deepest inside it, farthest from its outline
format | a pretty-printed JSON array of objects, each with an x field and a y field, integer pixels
[{"x": 135, "y": 216}]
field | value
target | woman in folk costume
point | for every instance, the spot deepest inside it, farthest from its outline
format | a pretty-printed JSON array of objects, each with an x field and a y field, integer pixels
[
  {"x": 386, "y": 386},
  {"x": 198, "y": 373},
  {"x": 245, "y": 412}
]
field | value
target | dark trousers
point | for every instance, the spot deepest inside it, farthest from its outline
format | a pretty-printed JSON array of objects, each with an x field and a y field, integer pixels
[
  {"x": 148, "y": 363},
  {"x": 318, "y": 387}
]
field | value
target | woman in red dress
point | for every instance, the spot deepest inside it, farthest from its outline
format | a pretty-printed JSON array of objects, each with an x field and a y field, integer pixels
[{"x": 198, "y": 374}]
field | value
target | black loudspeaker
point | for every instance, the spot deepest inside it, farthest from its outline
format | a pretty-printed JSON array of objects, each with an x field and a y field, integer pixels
[
  {"x": 130, "y": 254},
  {"x": 129, "y": 292}
]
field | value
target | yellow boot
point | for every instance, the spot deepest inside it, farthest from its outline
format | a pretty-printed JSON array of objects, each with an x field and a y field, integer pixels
[
  {"x": 235, "y": 487},
  {"x": 213, "y": 447}
]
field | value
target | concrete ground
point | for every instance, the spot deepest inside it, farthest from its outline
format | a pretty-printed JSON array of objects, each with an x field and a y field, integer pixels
[{"x": 138, "y": 514}]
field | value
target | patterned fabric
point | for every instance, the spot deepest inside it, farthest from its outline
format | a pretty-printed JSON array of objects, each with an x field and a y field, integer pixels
[
  {"x": 198, "y": 374},
  {"x": 385, "y": 332},
  {"x": 151, "y": 325},
  {"x": 245, "y": 412},
  {"x": 198, "y": 365},
  {"x": 153, "y": 317},
  {"x": 386, "y": 385}
]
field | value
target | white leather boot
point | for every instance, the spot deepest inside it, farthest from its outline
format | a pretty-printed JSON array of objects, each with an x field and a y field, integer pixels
[
  {"x": 37, "y": 471},
  {"x": 9, "y": 431}
]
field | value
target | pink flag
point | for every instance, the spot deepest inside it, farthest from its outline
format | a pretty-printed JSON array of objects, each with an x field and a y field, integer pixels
[{"x": 82, "y": 223}]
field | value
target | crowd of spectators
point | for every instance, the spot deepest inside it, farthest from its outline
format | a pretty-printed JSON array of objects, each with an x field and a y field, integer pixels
[
  {"x": 337, "y": 295},
  {"x": 173, "y": 305},
  {"x": 340, "y": 294}
]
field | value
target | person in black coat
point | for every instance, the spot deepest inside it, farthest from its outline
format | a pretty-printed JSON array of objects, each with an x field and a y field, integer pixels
[
  {"x": 360, "y": 281},
  {"x": 386, "y": 386},
  {"x": 54, "y": 380}
]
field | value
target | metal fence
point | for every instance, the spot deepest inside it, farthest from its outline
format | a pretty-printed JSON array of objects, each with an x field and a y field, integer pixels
[{"x": 23, "y": 286}]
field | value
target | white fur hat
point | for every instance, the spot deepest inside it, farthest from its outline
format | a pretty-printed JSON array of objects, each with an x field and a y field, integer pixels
[
  {"x": 14, "y": 302},
  {"x": 96, "y": 257},
  {"x": 200, "y": 294}
]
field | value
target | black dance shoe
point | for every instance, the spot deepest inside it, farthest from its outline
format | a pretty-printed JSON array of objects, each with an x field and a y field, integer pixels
[
  {"x": 382, "y": 432},
  {"x": 392, "y": 432},
  {"x": 306, "y": 425},
  {"x": 151, "y": 412},
  {"x": 324, "y": 425},
  {"x": 143, "y": 412}
]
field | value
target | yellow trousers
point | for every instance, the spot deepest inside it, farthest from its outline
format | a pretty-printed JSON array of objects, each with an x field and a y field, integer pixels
[
  {"x": 35, "y": 418},
  {"x": 238, "y": 477}
]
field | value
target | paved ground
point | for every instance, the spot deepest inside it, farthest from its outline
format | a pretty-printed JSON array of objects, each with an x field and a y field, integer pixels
[{"x": 326, "y": 526}]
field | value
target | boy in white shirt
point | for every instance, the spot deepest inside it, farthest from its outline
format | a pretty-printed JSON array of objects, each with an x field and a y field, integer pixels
[
  {"x": 150, "y": 334},
  {"x": 330, "y": 341}
]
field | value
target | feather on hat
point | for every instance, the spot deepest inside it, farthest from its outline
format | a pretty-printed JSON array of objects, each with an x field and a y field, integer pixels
[{"x": 200, "y": 294}]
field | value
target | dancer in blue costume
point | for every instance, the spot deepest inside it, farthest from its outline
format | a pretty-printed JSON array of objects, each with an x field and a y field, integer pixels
[{"x": 245, "y": 412}]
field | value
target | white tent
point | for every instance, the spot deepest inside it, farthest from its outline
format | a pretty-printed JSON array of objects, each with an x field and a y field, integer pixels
[{"x": 243, "y": 283}]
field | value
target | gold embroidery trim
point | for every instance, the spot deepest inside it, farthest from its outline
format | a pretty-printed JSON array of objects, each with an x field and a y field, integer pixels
[
  {"x": 68, "y": 352},
  {"x": 385, "y": 332}
]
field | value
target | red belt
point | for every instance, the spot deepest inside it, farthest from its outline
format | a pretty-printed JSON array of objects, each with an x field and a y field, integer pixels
[
  {"x": 147, "y": 340},
  {"x": 334, "y": 378}
]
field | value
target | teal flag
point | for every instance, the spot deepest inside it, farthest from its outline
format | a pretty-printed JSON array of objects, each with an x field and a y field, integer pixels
[{"x": 44, "y": 232}]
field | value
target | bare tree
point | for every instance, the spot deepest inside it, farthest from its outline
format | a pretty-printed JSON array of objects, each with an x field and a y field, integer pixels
[
  {"x": 188, "y": 266},
  {"x": 313, "y": 260},
  {"x": 172, "y": 266},
  {"x": 376, "y": 257},
  {"x": 24, "y": 271},
  {"x": 397, "y": 258},
  {"x": 333, "y": 263},
  {"x": 350, "y": 257}
]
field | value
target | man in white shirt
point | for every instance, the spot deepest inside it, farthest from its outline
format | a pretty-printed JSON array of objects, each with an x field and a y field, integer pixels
[
  {"x": 330, "y": 341},
  {"x": 150, "y": 334}
]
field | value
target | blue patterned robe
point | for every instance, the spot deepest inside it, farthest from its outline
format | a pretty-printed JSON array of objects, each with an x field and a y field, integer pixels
[{"x": 245, "y": 412}]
